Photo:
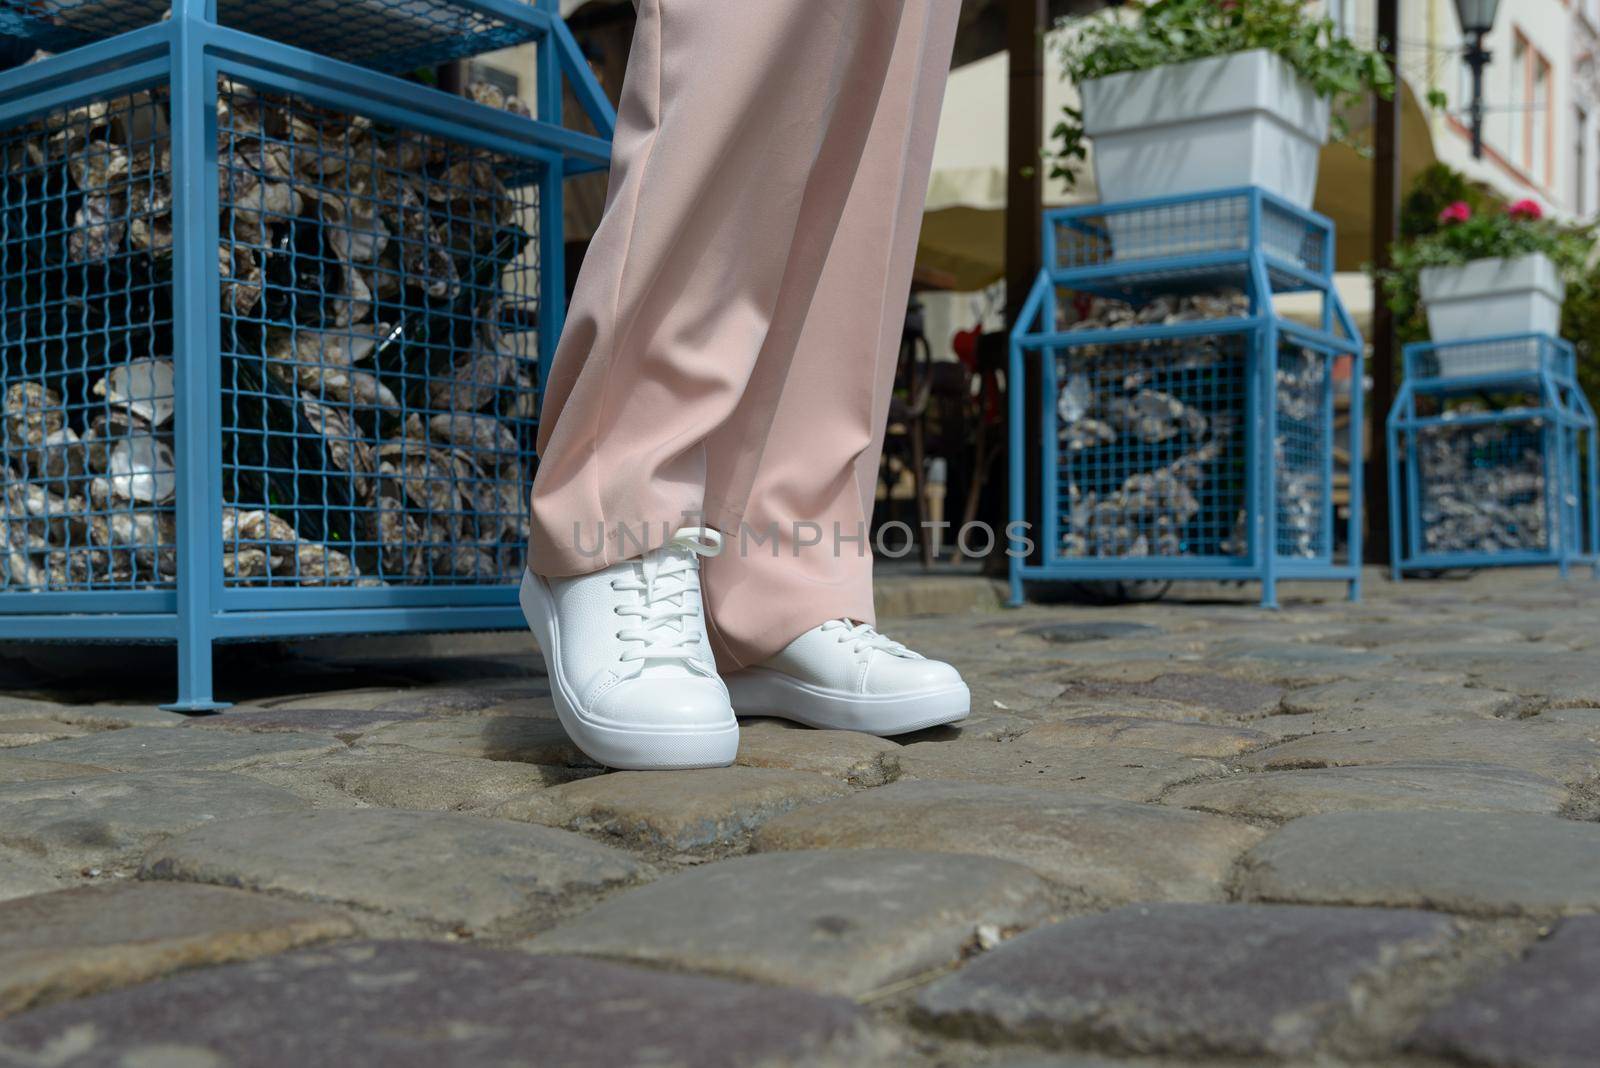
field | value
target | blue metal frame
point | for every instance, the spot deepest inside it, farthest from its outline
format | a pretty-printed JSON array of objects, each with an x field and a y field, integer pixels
[
  {"x": 1246, "y": 238},
  {"x": 189, "y": 53},
  {"x": 1539, "y": 369}
]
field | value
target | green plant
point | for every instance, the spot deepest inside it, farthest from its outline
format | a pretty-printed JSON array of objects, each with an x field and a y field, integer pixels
[
  {"x": 1161, "y": 32},
  {"x": 1431, "y": 236},
  {"x": 1461, "y": 234}
]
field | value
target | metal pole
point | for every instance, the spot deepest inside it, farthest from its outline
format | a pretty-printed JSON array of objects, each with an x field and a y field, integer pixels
[
  {"x": 1477, "y": 59},
  {"x": 1385, "y": 232}
]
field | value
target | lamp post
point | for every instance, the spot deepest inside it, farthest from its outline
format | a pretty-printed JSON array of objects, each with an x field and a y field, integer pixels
[{"x": 1477, "y": 18}]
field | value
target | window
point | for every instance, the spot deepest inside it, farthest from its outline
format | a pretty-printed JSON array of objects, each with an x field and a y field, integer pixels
[
  {"x": 1517, "y": 101},
  {"x": 1580, "y": 161},
  {"x": 1343, "y": 14},
  {"x": 1538, "y": 157}
]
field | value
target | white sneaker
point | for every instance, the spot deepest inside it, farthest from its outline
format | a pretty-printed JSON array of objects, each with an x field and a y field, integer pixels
[
  {"x": 631, "y": 669},
  {"x": 846, "y": 676}
]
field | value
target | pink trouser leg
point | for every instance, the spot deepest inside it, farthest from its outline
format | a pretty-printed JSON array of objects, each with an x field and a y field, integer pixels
[
  {"x": 730, "y": 343},
  {"x": 819, "y": 416}
]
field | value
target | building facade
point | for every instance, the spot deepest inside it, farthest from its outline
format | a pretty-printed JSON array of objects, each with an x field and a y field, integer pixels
[{"x": 1541, "y": 93}]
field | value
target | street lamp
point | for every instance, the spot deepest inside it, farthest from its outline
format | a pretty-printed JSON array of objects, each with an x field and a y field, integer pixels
[{"x": 1477, "y": 18}]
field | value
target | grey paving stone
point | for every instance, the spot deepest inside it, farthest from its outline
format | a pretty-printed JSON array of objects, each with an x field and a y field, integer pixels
[
  {"x": 1297, "y": 664},
  {"x": 1559, "y": 677},
  {"x": 861, "y": 759},
  {"x": 156, "y": 749},
  {"x": 343, "y": 723},
  {"x": 397, "y": 776},
  {"x": 1470, "y": 862},
  {"x": 1112, "y": 771},
  {"x": 980, "y": 726},
  {"x": 1352, "y": 703},
  {"x": 422, "y": 1005},
  {"x": 1137, "y": 732},
  {"x": 838, "y": 921},
  {"x": 1196, "y": 695},
  {"x": 118, "y": 717},
  {"x": 1108, "y": 630},
  {"x": 1542, "y": 1012},
  {"x": 525, "y": 739},
  {"x": 107, "y": 819},
  {"x": 454, "y": 870},
  {"x": 24, "y": 731},
  {"x": 1185, "y": 979},
  {"x": 675, "y": 809},
  {"x": 1417, "y": 787},
  {"x": 1553, "y": 750},
  {"x": 17, "y": 768},
  {"x": 1101, "y": 851},
  {"x": 23, "y": 875},
  {"x": 93, "y": 938}
]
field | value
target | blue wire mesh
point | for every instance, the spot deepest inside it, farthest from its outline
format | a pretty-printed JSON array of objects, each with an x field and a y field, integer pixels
[
  {"x": 379, "y": 350},
  {"x": 383, "y": 34},
  {"x": 1141, "y": 240},
  {"x": 1492, "y": 356},
  {"x": 1152, "y": 444},
  {"x": 378, "y": 363},
  {"x": 1303, "y": 449},
  {"x": 1493, "y": 440},
  {"x": 1484, "y": 488},
  {"x": 85, "y": 346}
]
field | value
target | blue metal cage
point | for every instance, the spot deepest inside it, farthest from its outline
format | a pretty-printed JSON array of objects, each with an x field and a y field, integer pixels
[
  {"x": 1187, "y": 431},
  {"x": 1492, "y": 457},
  {"x": 273, "y": 329},
  {"x": 390, "y": 35}
]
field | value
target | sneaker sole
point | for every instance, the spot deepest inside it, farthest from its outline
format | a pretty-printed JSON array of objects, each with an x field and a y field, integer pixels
[
  {"x": 615, "y": 746},
  {"x": 761, "y": 692}
]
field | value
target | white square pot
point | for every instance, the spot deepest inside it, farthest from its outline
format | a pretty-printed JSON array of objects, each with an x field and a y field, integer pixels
[
  {"x": 1242, "y": 119},
  {"x": 1491, "y": 298}
]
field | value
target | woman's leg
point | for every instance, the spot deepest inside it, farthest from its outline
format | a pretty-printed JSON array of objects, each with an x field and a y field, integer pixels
[
  {"x": 798, "y": 458},
  {"x": 741, "y": 127}
]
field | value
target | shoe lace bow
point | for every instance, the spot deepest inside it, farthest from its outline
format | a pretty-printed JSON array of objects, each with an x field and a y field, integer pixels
[{"x": 665, "y": 582}]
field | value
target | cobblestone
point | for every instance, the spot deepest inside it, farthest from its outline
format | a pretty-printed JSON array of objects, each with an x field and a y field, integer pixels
[
  {"x": 675, "y": 810},
  {"x": 1416, "y": 787},
  {"x": 456, "y": 871},
  {"x": 1098, "y": 850},
  {"x": 844, "y": 922},
  {"x": 82, "y": 941},
  {"x": 1190, "y": 979},
  {"x": 1470, "y": 862},
  {"x": 418, "y": 1005},
  {"x": 1543, "y": 1012},
  {"x": 1332, "y": 834},
  {"x": 110, "y": 819}
]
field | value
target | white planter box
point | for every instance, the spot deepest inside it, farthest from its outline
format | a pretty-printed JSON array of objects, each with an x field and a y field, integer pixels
[
  {"x": 1235, "y": 120},
  {"x": 1491, "y": 298}
]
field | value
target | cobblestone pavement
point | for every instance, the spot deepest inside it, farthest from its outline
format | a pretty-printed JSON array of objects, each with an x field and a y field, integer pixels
[{"x": 1190, "y": 832}]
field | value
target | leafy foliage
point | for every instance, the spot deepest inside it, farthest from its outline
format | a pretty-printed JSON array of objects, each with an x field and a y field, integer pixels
[
  {"x": 1430, "y": 237},
  {"x": 1143, "y": 36}
]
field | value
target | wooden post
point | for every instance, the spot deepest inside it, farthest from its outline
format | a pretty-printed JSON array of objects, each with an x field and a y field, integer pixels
[
  {"x": 1385, "y": 231},
  {"x": 1026, "y": 21}
]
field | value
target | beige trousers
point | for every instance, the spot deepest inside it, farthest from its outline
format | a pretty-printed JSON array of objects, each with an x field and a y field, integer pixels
[{"x": 731, "y": 344}]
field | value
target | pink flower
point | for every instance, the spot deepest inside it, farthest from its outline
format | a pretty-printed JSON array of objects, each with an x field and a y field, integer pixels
[
  {"x": 1459, "y": 212},
  {"x": 1526, "y": 211}
]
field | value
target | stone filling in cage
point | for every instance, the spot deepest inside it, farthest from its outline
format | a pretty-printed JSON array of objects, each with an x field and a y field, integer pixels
[
  {"x": 1483, "y": 487},
  {"x": 378, "y": 361},
  {"x": 1152, "y": 443}
]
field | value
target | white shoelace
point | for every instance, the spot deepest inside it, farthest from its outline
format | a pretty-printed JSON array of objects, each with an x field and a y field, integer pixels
[
  {"x": 663, "y": 581},
  {"x": 863, "y": 636}
]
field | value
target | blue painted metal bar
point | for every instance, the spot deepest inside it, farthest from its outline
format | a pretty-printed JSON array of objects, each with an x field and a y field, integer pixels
[{"x": 197, "y": 403}]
